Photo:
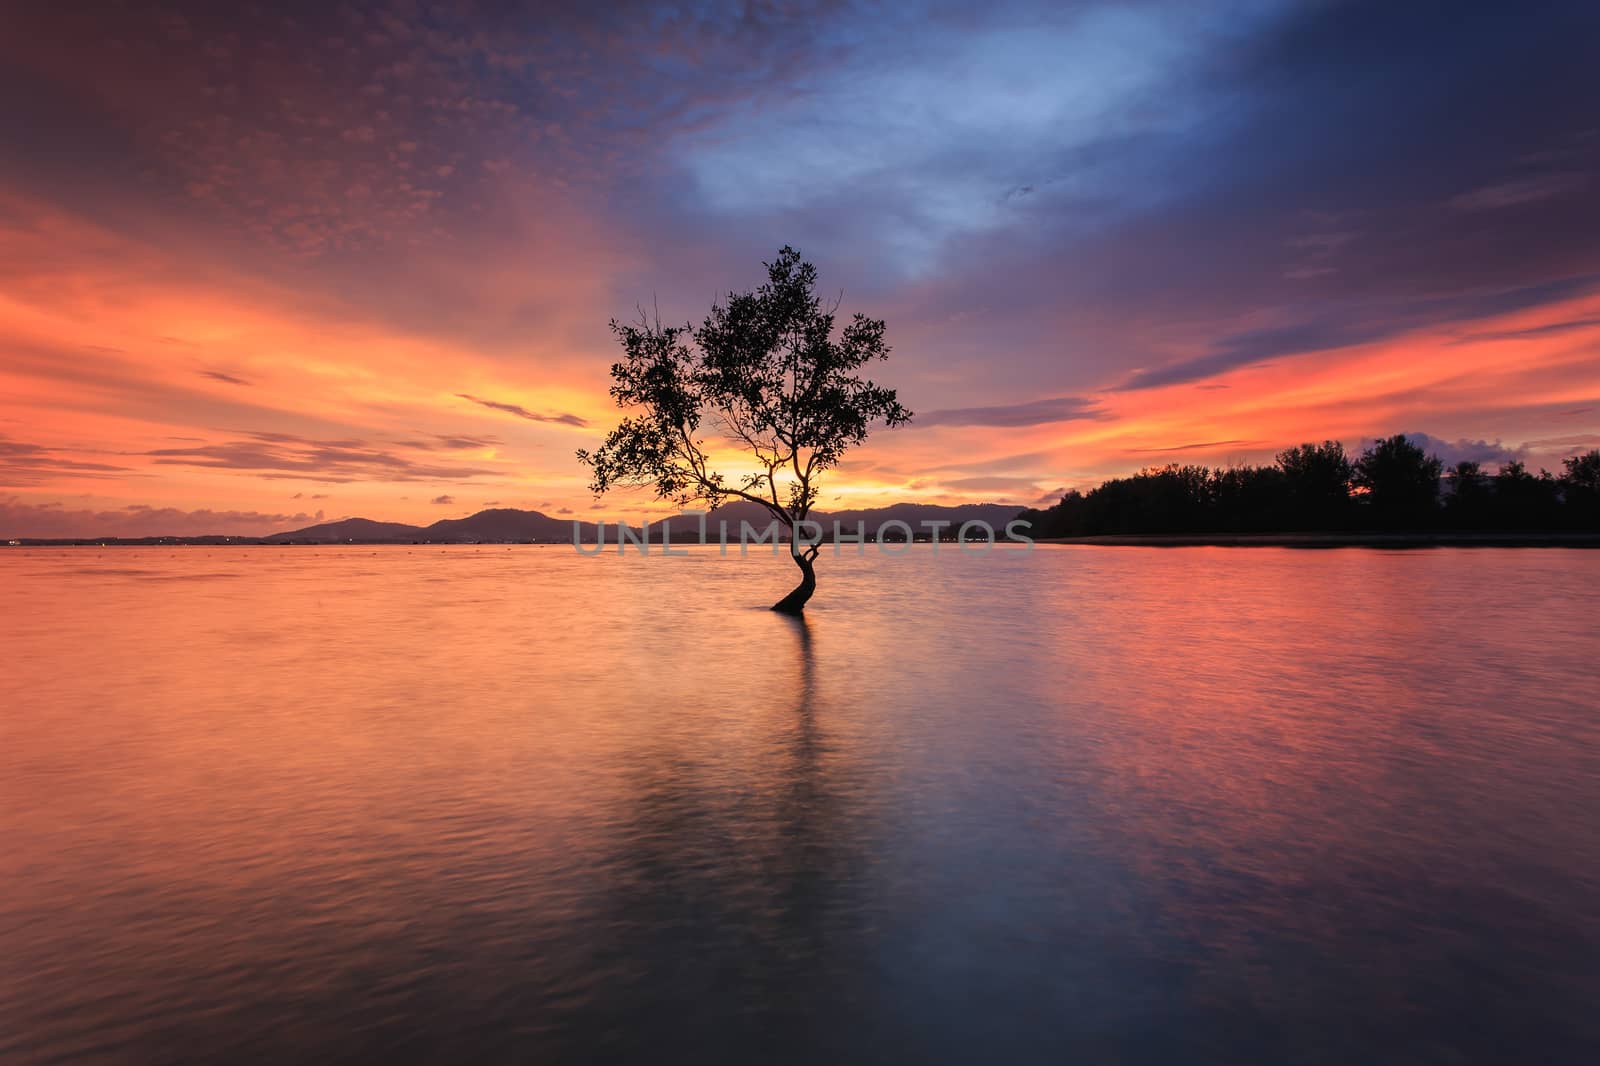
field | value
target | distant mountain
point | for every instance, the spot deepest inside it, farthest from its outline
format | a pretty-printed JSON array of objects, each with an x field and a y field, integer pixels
[
  {"x": 503, "y": 524},
  {"x": 686, "y": 527},
  {"x": 507, "y": 523},
  {"x": 497, "y": 524},
  {"x": 349, "y": 529}
]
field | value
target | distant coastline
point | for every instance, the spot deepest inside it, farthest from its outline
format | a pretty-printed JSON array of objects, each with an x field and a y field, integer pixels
[
  {"x": 506, "y": 525},
  {"x": 1392, "y": 495},
  {"x": 1419, "y": 539}
]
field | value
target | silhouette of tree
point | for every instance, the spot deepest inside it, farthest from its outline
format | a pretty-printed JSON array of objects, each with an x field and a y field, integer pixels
[
  {"x": 1250, "y": 498},
  {"x": 1309, "y": 488},
  {"x": 1523, "y": 500},
  {"x": 1170, "y": 499},
  {"x": 766, "y": 373},
  {"x": 1580, "y": 483},
  {"x": 1402, "y": 481},
  {"x": 1318, "y": 477},
  {"x": 1468, "y": 504},
  {"x": 1583, "y": 471}
]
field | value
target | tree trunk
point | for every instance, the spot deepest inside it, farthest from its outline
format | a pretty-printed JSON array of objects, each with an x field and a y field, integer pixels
[{"x": 795, "y": 602}]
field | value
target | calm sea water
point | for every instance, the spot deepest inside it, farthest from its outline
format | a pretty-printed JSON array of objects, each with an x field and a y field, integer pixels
[{"x": 1074, "y": 804}]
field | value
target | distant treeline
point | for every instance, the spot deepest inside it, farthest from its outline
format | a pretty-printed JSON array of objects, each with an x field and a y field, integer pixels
[{"x": 1393, "y": 485}]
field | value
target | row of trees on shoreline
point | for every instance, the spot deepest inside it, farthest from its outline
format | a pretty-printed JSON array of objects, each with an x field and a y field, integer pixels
[{"x": 1391, "y": 485}]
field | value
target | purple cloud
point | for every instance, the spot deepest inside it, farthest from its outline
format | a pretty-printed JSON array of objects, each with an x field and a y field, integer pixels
[
  {"x": 523, "y": 412},
  {"x": 284, "y": 455},
  {"x": 21, "y": 519},
  {"x": 1033, "y": 413}
]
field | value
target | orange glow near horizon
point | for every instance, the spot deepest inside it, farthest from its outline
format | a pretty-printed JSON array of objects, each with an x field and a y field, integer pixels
[{"x": 144, "y": 390}]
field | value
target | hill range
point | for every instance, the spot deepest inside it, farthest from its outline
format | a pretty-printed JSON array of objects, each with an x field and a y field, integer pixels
[{"x": 505, "y": 525}]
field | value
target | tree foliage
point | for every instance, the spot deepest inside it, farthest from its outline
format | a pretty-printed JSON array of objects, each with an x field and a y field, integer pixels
[
  {"x": 1401, "y": 479},
  {"x": 1317, "y": 477},
  {"x": 1581, "y": 487},
  {"x": 1312, "y": 488},
  {"x": 766, "y": 373}
]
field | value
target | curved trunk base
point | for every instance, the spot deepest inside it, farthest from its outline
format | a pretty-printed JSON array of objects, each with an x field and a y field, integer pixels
[{"x": 795, "y": 602}]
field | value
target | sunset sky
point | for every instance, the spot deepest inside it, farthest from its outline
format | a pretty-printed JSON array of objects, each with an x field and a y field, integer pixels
[{"x": 266, "y": 264}]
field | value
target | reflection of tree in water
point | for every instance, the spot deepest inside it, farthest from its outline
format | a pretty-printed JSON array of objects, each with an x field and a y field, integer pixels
[{"x": 736, "y": 921}]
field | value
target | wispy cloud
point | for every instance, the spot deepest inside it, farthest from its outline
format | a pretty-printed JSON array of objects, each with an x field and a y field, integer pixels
[
  {"x": 20, "y": 518},
  {"x": 1033, "y": 413},
  {"x": 1546, "y": 329},
  {"x": 282, "y": 455},
  {"x": 523, "y": 412},
  {"x": 1338, "y": 327},
  {"x": 450, "y": 442},
  {"x": 1572, "y": 444},
  {"x": 1201, "y": 446},
  {"x": 1518, "y": 192},
  {"x": 22, "y": 463},
  {"x": 1026, "y": 486}
]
